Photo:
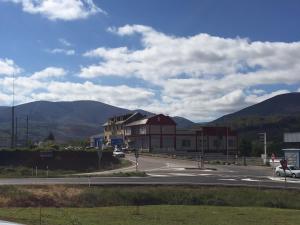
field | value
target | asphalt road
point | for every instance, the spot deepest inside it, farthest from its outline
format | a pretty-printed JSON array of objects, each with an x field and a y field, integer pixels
[{"x": 166, "y": 171}]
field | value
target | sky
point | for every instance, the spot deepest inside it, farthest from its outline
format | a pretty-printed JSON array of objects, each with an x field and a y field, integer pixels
[{"x": 199, "y": 59}]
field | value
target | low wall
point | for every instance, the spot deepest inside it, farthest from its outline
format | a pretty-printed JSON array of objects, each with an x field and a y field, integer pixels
[{"x": 65, "y": 160}]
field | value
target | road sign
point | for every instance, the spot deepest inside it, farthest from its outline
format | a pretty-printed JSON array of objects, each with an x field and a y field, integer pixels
[
  {"x": 283, "y": 163},
  {"x": 116, "y": 141},
  {"x": 273, "y": 157}
]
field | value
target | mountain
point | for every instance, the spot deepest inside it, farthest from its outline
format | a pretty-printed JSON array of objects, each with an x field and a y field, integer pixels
[
  {"x": 67, "y": 120},
  {"x": 280, "y": 105},
  {"x": 274, "y": 116}
]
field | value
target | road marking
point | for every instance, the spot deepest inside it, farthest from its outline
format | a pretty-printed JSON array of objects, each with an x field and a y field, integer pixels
[
  {"x": 229, "y": 179},
  {"x": 183, "y": 174},
  {"x": 249, "y": 179},
  {"x": 157, "y": 175},
  {"x": 282, "y": 180}
]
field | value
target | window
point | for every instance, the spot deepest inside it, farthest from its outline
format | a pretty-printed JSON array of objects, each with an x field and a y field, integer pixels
[
  {"x": 142, "y": 130},
  {"x": 186, "y": 143},
  {"x": 230, "y": 143}
]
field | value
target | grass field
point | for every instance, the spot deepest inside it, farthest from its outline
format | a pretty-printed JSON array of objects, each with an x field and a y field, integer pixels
[
  {"x": 83, "y": 196},
  {"x": 21, "y": 171},
  {"x": 153, "y": 215}
]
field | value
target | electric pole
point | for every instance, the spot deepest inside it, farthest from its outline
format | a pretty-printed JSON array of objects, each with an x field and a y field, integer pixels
[
  {"x": 27, "y": 131},
  {"x": 16, "y": 133},
  {"x": 13, "y": 114}
]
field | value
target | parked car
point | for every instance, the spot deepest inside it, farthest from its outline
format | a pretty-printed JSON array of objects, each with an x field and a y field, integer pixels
[
  {"x": 118, "y": 153},
  {"x": 292, "y": 171}
]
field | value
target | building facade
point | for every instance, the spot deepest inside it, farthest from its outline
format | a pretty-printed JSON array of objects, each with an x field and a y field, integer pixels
[
  {"x": 114, "y": 128},
  {"x": 292, "y": 148},
  {"x": 221, "y": 140},
  {"x": 158, "y": 134},
  {"x": 155, "y": 133}
]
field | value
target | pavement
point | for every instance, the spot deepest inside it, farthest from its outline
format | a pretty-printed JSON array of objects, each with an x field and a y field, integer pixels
[{"x": 167, "y": 171}]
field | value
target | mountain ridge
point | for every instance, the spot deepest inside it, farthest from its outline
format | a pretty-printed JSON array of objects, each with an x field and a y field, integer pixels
[{"x": 68, "y": 120}]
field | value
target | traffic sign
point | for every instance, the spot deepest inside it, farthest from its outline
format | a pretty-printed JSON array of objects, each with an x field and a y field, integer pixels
[
  {"x": 283, "y": 163},
  {"x": 273, "y": 157}
]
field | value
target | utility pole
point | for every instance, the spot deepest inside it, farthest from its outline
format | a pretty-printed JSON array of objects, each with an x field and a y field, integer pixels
[
  {"x": 27, "y": 131},
  {"x": 13, "y": 114},
  {"x": 16, "y": 133},
  {"x": 202, "y": 149},
  {"x": 265, "y": 146},
  {"x": 227, "y": 150}
]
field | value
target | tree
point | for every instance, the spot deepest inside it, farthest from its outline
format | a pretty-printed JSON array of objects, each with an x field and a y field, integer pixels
[
  {"x": 50, "y": 137},
  {"x": 245, "y": 147}
]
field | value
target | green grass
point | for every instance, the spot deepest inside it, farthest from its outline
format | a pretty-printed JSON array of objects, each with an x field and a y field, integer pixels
[
  {"x": 129, "y": 174},
  {"x": 25, "y": 172},
  {"x": 20, "y": 172},
  {"x": 153, "y": 215},
  {"x": 84, "y": 196}
]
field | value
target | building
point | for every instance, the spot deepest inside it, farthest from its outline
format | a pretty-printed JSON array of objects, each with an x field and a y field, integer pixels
[
  {"x": 155, "y": 133},
  {"x": 220, "y": 140},
  {"x": 292, "y": 148},
  {"x": 114, "y": 132},
  {"x": 159, "y": 134},
  {"x": 292, "y": 155}
]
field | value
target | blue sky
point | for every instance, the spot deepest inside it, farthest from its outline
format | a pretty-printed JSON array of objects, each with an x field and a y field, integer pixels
[{"x": 191, "y": 58}]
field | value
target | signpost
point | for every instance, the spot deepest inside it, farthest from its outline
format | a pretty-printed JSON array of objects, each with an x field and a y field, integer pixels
[
  {"x": 273, "y": 159},
  {"x": 116, "y": 141},
  {"x": 136, "y": 153},
  {"x": 283, "y": 163},
  {"x": 99, "y": 151}
]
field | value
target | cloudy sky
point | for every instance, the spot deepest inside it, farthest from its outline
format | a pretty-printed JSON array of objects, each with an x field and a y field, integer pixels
[{"x": 193, "y": 58}]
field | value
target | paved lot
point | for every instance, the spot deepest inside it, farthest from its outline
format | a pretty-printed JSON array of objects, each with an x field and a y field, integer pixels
[{"x": 165, "y": 171}]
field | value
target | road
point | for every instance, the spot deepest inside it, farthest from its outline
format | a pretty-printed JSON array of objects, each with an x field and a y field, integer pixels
[{"x": 166, "y": 171}]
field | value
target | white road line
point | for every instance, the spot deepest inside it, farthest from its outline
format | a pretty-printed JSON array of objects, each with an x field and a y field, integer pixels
[
  {"x": 183, "y": 174},
  {"x": 229, "y": 179},
  {"x": 158, "y": 175},
  {"x": 249, "y": 179},
  {"x": 282, "y": 180}
]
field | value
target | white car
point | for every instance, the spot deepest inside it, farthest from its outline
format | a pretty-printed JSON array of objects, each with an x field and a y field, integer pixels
[
  {"x": 118, "y": 153},
  {"x": 291, "y": 171}
]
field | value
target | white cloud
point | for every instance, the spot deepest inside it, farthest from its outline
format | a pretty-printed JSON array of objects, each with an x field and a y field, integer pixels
[
  {"x": 8, "y": 67},
  {"x": 60, "y": 9},
  {"x": 49, "y": 72},
  {"x": 62, "y": 51},
  {"x": 201, "y": 76},
  {"x": 122, "y": 96},
  {"x": 44, "y": 85},
  {"x": 64, "y": 42},
  {"x": 254, "y": 98}
]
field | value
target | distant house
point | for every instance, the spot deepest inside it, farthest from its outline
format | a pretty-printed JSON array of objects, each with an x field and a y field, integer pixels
[
  {"x": 159, "y": 134},
  {"x": 155, "y": 133},
  {"x": 114, "y": 128},
  {"x": 209, "y": 139}
]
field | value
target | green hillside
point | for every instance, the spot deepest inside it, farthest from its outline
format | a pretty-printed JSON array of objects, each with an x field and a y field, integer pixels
[{"x": 274, "y": 116}]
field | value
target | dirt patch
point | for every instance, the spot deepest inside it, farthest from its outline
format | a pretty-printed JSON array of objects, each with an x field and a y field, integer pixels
[{"x": 54, "y": 191}]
